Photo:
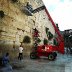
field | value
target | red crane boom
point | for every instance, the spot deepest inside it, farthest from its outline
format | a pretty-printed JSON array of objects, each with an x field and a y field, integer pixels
[{"x": 60, "y": 47}]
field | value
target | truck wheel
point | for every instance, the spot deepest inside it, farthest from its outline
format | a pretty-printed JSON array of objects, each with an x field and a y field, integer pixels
[
  {"x": 55, "y": 54},
  {"x": 51, "y": 57},
  {"x": 32, "y": 55}
]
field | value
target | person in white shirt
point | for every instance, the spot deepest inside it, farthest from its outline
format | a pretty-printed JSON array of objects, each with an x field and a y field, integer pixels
[{"x": 20, "y": 57}]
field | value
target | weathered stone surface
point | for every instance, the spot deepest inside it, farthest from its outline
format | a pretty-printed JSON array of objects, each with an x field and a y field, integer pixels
[{"x": 16, "y": 24}]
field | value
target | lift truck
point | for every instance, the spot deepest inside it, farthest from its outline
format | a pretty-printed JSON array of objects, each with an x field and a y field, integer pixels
[{"x": 46, "y": 50}]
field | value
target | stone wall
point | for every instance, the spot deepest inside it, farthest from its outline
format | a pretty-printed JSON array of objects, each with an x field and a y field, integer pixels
[{"x": 16, "y": 24}]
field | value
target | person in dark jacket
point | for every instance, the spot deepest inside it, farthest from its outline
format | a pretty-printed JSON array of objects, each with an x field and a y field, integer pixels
[{"x": 5, "y": 59}]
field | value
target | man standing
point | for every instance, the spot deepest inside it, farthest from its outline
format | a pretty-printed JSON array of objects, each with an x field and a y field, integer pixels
[{"x": 20, "y": 57}]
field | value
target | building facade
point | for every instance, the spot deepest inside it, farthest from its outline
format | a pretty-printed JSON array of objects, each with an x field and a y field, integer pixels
[{"x": 15, "y": 24}]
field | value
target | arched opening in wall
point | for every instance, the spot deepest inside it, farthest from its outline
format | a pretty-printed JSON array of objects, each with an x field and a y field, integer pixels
[{"x": 27, "y": 39}]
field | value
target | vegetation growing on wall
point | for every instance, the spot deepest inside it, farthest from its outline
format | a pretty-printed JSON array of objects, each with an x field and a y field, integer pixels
[
  {"x": 55, "y": 42},
  {"x": 45, "y": 41},
  {"x": 38, "y": 40},
  {"x": 49, "y": 34}
]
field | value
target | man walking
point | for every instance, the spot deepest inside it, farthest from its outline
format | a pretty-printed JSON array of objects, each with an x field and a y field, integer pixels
[{"x": 20, "y": 57}]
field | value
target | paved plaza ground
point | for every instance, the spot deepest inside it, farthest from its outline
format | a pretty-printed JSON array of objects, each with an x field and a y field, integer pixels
[{"x": 63, "y": 63}]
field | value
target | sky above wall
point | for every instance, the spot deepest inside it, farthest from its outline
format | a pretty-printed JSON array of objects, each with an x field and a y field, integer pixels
[{"x": 61, "y": 12}]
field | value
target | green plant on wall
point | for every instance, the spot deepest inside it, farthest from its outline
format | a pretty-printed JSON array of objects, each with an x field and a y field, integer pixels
[
  {"x": 47, "y": 29},
  {"x": 55, "y": 42},
  {"x": 45, "y": 41},
  {"x": 38, "y": 40},
  {"x": 50, "y": 35},
  {"x": 27, "y": 39}
]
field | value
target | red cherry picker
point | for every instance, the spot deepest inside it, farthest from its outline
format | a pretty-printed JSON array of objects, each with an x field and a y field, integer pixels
[
  {"x": 46, "y": 50},
  {"x": 49, "y": 51}
]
